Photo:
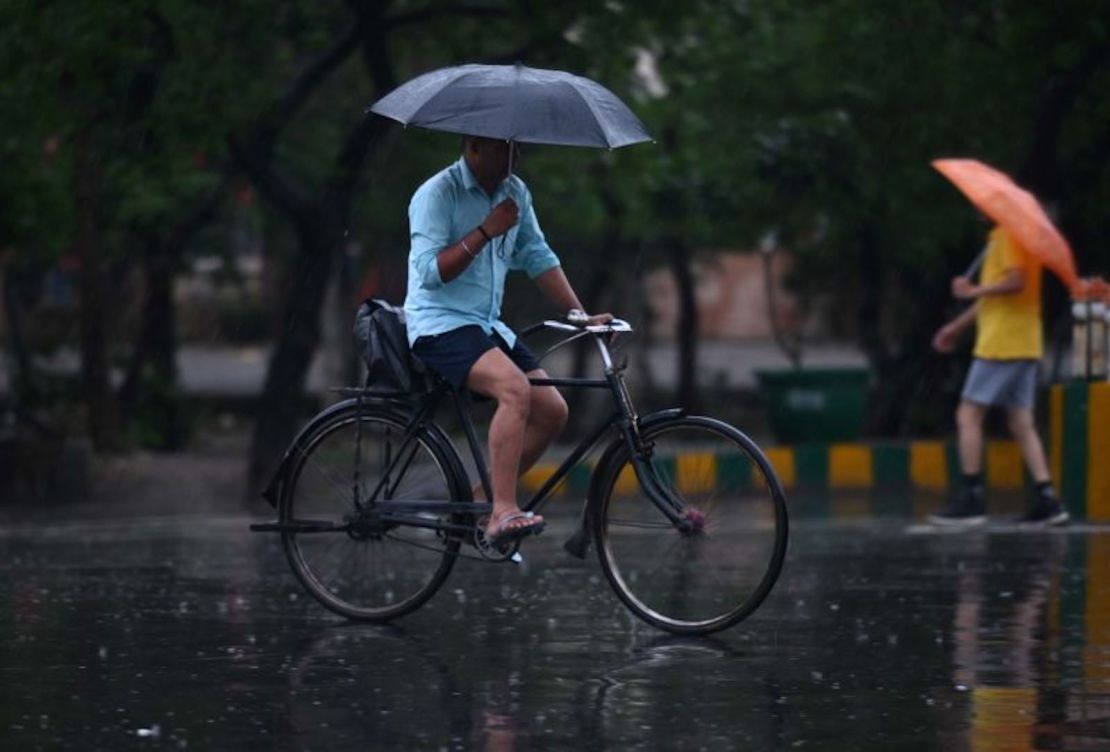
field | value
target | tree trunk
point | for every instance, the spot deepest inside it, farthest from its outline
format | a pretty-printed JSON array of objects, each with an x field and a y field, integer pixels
[
  {"x": 96, "y": 391},
  {"x": 150, "y": 397},
  {"x": 646, "y": 384},
  {"x": 687, "y": 332},
  {"x": 320, "y": 221},
  {"x": 906, "y": 372},
  {"x": 26, "y": 393},
  {"x": 156, "y": 346},
  {"x": 280, "y": 407}
]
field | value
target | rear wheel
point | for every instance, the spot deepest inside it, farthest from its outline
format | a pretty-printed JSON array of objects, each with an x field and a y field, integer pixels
[
  {"x": 721, "y": 568},
  {"x": 352, "y": 562}
]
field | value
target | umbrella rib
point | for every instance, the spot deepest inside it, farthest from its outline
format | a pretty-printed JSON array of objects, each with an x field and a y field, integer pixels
[
  {"x": 513, "y": 103},
  {"x": 593, "y": 111}
]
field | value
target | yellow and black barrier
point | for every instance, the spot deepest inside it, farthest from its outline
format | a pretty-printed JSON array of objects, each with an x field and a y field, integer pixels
[
  {"x": 1079, "y": 446},
  {"x": 930, "y": 465},
  {"x": 1078, "y": 443}
]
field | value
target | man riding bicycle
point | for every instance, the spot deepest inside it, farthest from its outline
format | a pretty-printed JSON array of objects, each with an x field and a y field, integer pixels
[{"x": 470, "y": 224}]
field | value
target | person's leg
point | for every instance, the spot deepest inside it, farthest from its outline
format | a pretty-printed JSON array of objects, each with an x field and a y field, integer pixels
[
  {"x": 496, "y": 376},
  {"x": 967, "y": 507},
  {"x": 1020, "y": 400},
  {"x": 1047, "y": 509},
  {"x": 969, "y": 428},
  {"x": 547, "y": 417},
  {"x": 1024, "y": 430}
]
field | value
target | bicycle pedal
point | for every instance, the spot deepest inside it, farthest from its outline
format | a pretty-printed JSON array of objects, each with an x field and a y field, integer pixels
[{"x": 516, "y": 558}]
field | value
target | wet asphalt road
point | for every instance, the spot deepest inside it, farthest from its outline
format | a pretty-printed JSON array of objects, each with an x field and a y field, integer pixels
[{"x": 192, "y": 633}]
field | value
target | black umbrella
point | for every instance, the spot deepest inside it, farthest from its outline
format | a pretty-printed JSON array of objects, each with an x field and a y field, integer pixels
[{"x": 515, "y": 103}]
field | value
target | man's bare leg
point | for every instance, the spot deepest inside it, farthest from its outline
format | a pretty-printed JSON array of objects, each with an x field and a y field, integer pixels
[
  {"x": 496, "y": 376},
  {"x": 1024, "y": 430},
  {"x": 969, "y": 426},
  {"x": 547, "y": 417}
]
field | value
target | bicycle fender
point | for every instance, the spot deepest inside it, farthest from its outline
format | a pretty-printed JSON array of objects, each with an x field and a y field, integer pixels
[
  {"x": 272, "y": 492},
  {"x": 618, "y": 443},
  {"x": 579, "y": 543}
]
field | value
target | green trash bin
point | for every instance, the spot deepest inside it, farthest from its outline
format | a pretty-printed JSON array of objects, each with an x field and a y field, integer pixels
[{"x": 815, "y": 404}]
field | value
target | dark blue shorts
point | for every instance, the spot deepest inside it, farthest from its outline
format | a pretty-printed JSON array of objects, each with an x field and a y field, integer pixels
[{"x": 452, "y": 354}]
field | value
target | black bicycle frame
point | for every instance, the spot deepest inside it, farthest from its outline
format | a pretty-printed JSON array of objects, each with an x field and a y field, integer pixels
[
  {"x": 404, "y": 512},
  {"x": 625, "y": 418}
]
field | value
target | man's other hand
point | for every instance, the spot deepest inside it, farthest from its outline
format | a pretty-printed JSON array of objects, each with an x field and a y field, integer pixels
[
  {"x": 964, "y": 289},
  {"x": 944, "y": 341}
]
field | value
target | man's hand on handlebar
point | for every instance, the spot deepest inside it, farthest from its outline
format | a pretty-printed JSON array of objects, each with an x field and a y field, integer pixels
[{"x": 581, "y": 318}]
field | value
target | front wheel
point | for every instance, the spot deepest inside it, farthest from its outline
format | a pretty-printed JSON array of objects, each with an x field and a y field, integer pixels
[{"x": 719, "y": 568}]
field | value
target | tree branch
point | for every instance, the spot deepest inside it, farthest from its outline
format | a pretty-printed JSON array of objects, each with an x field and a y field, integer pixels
[
  {"x": 276, "y": 188},
  {"x": 196, "y": 215},
  {"x": 270, "y": 126},
  {"x": 427, "y": 14},
  {"x": 162, "y": 259}
]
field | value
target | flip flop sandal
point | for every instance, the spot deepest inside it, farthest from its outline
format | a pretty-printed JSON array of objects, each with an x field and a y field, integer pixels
[{"x": 504, "y": 536}]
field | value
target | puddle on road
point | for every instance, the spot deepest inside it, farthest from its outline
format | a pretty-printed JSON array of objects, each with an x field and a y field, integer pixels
[{"x": 196, "y": 635}]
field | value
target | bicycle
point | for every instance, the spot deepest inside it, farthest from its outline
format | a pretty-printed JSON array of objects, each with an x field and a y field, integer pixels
[{"x": 374, "y": 504}]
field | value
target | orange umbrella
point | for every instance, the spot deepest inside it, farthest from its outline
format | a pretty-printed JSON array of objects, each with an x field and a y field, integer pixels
[{"x": 1016, "y": 210}]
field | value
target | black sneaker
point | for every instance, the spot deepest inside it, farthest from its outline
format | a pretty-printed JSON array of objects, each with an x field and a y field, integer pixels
[
  {"x": 1047, "y": 511},
  {"x": 966, "y": 509}
]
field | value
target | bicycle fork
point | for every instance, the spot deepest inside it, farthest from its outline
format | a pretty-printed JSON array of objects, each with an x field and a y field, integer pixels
[
  {"x": 659, "y": 493},
  {"x": 629, "y": 425}
]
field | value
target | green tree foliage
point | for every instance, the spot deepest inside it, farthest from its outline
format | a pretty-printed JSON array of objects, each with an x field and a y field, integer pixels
[
  {"x": 814, "y": 121},
  {"x": 154, "y": 87},
  {"x": 113, "y": 112},
  {"x": 817, "y": 122}
]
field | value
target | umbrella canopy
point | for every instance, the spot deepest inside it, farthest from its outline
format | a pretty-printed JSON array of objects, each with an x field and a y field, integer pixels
[
  {"x": 515, "y": 103},
  {"x": 1016, "y": 210}
]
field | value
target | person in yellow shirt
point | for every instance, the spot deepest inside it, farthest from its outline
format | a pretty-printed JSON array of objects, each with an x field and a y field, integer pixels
[{"x": 1008, "y": 348}]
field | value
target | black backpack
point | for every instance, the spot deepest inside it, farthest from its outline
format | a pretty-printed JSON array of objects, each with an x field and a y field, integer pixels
[{"x": 384, "y": 347}]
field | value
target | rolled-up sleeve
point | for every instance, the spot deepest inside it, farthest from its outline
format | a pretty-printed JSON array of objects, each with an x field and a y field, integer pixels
[
  {"x": 429, "y": 230},
  {"x": 533, "y": 255}
]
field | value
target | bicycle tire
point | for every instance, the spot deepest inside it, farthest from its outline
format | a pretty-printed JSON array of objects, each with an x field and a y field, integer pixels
[
  {"x": 709, "y": 579},
  {"x": 383, "y": 575}
]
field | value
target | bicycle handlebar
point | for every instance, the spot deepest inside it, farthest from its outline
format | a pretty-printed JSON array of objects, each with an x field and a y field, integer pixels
[{"x": 616, "y": 325}]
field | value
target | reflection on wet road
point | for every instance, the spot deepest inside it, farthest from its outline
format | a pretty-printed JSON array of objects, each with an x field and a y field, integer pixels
[{"x": 186, "y": 633}]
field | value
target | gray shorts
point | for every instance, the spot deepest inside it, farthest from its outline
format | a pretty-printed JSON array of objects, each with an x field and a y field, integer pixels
[{"x": 1007, "y": 383}]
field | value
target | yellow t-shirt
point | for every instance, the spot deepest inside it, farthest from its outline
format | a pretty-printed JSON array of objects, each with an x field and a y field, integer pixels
[{"x": 1009, "y": 326}]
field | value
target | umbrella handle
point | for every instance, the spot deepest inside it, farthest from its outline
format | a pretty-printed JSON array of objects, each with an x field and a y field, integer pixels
[{"x": 978, "y": 262}]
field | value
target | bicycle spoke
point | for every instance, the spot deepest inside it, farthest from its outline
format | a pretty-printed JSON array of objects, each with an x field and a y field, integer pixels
[
  {"x": 665, "y": 524},
  {"x": 319, "y": 469}
]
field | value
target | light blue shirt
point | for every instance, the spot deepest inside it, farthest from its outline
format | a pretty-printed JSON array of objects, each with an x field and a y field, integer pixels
[{"x": 447, "y": 207}]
